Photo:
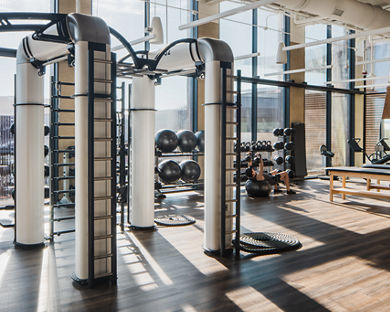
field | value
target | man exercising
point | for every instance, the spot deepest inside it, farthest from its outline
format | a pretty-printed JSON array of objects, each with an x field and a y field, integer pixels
[{"x": 272, "y": 177}]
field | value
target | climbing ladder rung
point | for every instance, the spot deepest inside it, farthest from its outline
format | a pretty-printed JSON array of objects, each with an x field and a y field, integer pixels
[
  {"x": 64, "y": 178},
  {"x": 102, "y": 139},
  {"x": 232, "y": 123},
  {"x": 63, "y": 205},
  {"x": 231, "y": 169},
  {"x": 102, "y": 119},
  {"x": 231, "y": 216},
  {"x": 231, "y": 154},
  {"x": 231, "y": 106},
  {"x": 230, "y": 200},
  {"x": 102, "y": 80},
  {"x": 231, "y": 92},
  {"x": 63, "y": 137},
  {"x": 231, "y": 138},
  {"x": 102, "y": 158},
  {"x": 102, "y": 197},
  {"x": 102, "y": 178},
  {"x": 62, "y": 110},
  {"x": 64, "y": 191},
  {"x": 103, "y": 257},
  {"x": 102, "y": 237},
  {"x": 63, "y": 218},
  {"x": 64, "y": 123},
  {"x": 230, "y": 185},
  {"x": 64, "y": 165},
  {"x": 102, "y": 61},
  {"x": 102, "y": 217}
]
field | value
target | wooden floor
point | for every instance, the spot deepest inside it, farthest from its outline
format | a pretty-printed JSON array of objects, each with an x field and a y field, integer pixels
[{"x": 344, "y": 264}]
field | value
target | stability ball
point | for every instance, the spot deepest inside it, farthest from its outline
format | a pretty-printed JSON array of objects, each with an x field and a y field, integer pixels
[
  {"x": 169, "y": 171},
  {"x": 200, "y": 140},
  {"x": 166, "y": 140},
  {"x": 190, "y": 170},
  {"x": 258, "y": 188},
  {"x": 187, "y": 141}
]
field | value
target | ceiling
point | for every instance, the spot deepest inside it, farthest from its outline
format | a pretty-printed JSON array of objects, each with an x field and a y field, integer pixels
[{"x": 376, "y": 2}]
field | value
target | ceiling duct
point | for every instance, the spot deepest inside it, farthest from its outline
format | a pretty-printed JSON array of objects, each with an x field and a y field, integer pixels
[{"x": 351, "y": 12}]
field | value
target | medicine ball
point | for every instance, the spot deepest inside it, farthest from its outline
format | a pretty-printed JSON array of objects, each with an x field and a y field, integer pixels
[
  {"x": 166, "y": 140},
  {"x": 169, "y": 171},
  {"x": 187, "y": 141},
  {"x": 46, "y": 130},
  {"x": 190, "y": 170},
  {"x": 258, "y": 188},
  {"x": 46, "y": 148},
  {"x": 200, "y": 140}
]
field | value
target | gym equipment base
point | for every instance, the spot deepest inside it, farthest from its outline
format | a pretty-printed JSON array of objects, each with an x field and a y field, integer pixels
[
  {"x": 265, "y": 243},
  {"x": 174, "y": 220},
  {"x": 29, "y": 246},
  {"x": 217, "y": 253},
  {"x": 141, "y": 228}
]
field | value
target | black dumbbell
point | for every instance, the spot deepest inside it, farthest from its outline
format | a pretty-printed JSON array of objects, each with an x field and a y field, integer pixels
[
  {"x": 278, "y": 145},
  {"x": 277, "y": 132},
  {"x": 269, "y": 147},
  {"x": 12, "y": 129},
  {"x": 289, "y": 146},
  {"x": 46, "y": 148},
  {"x": 289, "y": 159},
  {"x": 290, "y": 173},
  {"x": 278, "y": 160},
  {"x": 287, "y": 131}
]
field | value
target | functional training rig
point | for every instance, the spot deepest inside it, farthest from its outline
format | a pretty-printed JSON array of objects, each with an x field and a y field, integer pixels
[{"x": 84, "y": 41}]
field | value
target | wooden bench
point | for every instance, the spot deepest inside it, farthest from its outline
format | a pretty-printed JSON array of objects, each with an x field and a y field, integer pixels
[{"x": 364, "y": 173}]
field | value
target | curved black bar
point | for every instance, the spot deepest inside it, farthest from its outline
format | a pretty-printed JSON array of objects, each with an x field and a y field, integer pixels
[
  {"x": 31, "y": 16},
  {"x": 169, "y": 46},
  {"x": 7, "y": 52},
  {"x": 128, "y": 47}
]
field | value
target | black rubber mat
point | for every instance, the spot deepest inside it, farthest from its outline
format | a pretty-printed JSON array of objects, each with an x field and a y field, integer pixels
[
  {"x": 174, "y": 220},
  {"x": 268, "y": 243}
]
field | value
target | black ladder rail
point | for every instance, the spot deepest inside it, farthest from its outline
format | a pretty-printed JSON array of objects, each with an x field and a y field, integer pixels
[
  {"x": 96, "y": 99},
  {"x": 122, "y": 155},
  {"x": 55, "y": 165},
  {"x": 237, "y": 168}
]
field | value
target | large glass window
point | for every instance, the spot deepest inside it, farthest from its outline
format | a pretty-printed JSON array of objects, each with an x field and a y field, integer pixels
[
  {"x": 237, "y": 32},
  {"x": 246, "y": 112},
  {"x": 270, "y": 111},
  {"x": 270, "y": 34},
  {"x": 315, "y": 129},
  {"x": 315, "y": 57}
]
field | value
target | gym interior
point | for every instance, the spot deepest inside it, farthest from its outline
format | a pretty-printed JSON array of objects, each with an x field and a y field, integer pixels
[{"x": 194, "y": 155}]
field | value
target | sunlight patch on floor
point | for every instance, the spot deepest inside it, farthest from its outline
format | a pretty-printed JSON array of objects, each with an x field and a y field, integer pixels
[
  {"x": 194, "y": 240},
  {"x": 346, "y": 284},
  {"x": 249, "y": 299}
]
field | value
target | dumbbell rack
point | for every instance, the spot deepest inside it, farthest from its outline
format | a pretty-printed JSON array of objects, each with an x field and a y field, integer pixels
[
  {"x": 55, "y": 125},
  {"x": 178, "y": 186}
]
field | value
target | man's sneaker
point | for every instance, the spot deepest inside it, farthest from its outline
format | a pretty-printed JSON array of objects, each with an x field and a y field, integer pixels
[{"x": 291, "y": 192}]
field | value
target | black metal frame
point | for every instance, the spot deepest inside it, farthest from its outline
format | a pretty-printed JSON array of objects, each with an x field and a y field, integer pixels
[
  {"x": 92, "y": 47},
  {"x": 351, "y": 106},
  {"x": 328, "y": 96}
]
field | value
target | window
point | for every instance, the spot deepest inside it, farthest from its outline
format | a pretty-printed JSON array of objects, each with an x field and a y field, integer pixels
[
  {"x": 246, "y": 112},
  {"x": 237, "y": 32},
  {"x": 270, "y": 34},
  {"x": 315, "y": 57},
  {"x": 270, "y": 111},
  {"x": 315, "y": 129}
]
